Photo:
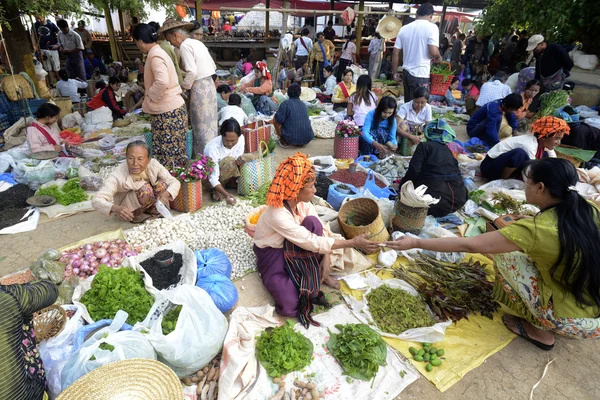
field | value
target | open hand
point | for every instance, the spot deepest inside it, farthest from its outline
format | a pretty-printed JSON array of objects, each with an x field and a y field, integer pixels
[
  {"x": 165, "y": 197},
  {"x": 124, "y": 213},
  {"x": 363, "y": 243},
  {"x": 230, "y": 200},
  {"x": 404, "y": 243},
  {"x": 415, "y": 139}
]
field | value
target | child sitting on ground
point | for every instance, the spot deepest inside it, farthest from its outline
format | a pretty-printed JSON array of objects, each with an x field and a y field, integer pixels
[
  {"x": 450, "y": 99},
  {"x": 233, "y": 110},
  {"x": 135, "y": 96}
]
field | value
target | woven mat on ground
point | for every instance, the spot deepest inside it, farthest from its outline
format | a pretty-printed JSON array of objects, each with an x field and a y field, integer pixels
[{"x": 467, "y": 343}]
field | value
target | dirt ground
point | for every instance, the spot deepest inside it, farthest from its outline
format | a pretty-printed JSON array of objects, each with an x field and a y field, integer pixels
[{"x": 509, "y": 374}]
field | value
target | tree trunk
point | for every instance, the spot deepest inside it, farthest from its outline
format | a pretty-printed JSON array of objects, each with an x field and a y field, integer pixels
[
  {"x": 18, "y": 44},
  {"x": 111, "y": 34},
  {"x": 359, "y": 28}
]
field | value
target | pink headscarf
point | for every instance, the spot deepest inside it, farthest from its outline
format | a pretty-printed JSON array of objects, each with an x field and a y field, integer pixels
[{"x": 264, "y": 70}]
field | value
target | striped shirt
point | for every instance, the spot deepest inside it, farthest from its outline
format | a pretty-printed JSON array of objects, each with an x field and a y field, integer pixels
[{"x": 295, "y": 124}]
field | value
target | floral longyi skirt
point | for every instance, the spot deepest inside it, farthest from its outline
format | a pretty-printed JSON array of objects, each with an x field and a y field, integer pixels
[{"x": 516, "y": 286}]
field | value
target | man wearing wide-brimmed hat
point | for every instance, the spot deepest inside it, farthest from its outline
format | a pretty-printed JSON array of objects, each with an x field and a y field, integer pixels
[{"x": 198, "y": 68}]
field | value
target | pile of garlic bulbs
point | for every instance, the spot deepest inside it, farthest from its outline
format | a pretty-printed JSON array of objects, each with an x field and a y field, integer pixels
[
  {"x": 220, "y": 226},
  {"x": 323, "y": 128}
]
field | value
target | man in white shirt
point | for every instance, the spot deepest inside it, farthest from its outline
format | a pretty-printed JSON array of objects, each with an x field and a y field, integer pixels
[
  {"x": 417, "y": 43},
  {"x": 71, "y": 44},
  {"x": 304, "y": 46},
  {"x": 233, "y": 110},
  {"x": 198, "y": 68},
  {"x": 493, "y": 90}
]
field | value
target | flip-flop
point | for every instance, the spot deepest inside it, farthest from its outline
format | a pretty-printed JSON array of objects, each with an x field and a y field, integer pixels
[{"x": 523, "y": 333}]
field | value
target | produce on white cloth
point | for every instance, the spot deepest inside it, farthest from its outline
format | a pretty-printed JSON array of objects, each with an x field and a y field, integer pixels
[
  {"x": 323, "y": 128},
  {"x": 84, "y": 261},
  {"x": 219, "y": 226}
]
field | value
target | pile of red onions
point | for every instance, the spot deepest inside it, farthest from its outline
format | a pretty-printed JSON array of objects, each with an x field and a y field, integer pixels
[{"x": 84, "y": 261}]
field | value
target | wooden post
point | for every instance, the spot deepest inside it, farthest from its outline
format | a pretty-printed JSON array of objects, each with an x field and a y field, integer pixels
[
  {"x": 122, "y": 23},
  {"x": 359, "y": 26},
  {"x": 111, "y": 34},
  {"x": 275, "y": 73},
  {"x": 267, "y": 19},
  {"x": 198, "y": 4},
  {"x": 443, "y": 22}
]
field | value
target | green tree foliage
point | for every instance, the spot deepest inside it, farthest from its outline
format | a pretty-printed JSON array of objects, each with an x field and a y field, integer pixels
[{"x": 561, "y": 21}]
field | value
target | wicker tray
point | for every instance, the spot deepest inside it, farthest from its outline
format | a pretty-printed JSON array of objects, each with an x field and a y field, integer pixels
[{"x": 49, "y": 322}]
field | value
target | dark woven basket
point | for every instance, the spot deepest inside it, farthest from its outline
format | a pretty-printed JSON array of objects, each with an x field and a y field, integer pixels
[{"x": 408, "y": 219}]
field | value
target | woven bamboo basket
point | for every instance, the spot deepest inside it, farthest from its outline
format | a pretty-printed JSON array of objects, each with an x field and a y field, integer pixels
[
  {"x": 16, "y": 87},
  {"x": 576, "y": 162},
  {"x": 65, "y": 104},
  {"x": 408, "y": 219},
  {"x": 49, "y": 322},
  {"x": 366, "y": 218}
]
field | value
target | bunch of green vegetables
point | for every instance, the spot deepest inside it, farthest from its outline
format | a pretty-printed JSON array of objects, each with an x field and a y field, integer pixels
[
  {"x": 259, "y": 197},
  {"x": 117, "y": 289},
  {"x": 69, "y": 193},
  {"x": 552, "y": 101},
  {"x": 169, "y": 321},
  {"x": 442, "y": 69},
  {"x": 396, "y": 311},
  {"x": 313, "y": 112},
  {"x": 508, "y": 204},
  {"x": 359, "y": 350},
  {"x": 282, "y": 350},
  {"x": 452, "y": 291}
]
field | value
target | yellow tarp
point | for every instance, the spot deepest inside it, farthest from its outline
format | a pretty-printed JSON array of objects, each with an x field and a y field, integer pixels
[{"x": 467, "y": 343}]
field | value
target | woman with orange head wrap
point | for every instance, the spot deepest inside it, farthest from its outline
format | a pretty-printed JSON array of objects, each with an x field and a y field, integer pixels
[
  {"x": 291, "y": 245},
  {"x": 510, "y": 155}
]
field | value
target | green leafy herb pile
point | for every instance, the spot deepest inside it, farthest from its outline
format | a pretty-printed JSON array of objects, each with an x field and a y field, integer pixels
[
  {"x": 70, "y": 193},
  {"x": 395, "y": 310},
  {"x": 452, "y": 291},
  {"x": 359, "y": 350},
  {"x": 169, "y": 321},
  {"x": 442, "y": 69},
  {"x": 259, "y": 197},
  {"x": 551, "y": 101},
  {"x": 117, "y": 289},
  {"x": 282, "y": 350}
]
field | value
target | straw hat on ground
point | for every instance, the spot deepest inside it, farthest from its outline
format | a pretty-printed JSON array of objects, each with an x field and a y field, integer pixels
[
  {"x": 170, "y": 23},
  {"x": 389, "y": 26},
  {"x": 134, "y": 379},
  {"x": 307, "y": 94}
]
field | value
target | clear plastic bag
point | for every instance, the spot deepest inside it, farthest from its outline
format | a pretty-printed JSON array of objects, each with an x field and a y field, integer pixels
[
  {"x": 48, "y": 267},
  {"x": 199, "y": 332},
  {"x": 247, "y": 106},
  {"x": 91, "y": 183},
  {"x": 33, "y": 173},
  {"x": 62, "y": 166},
  {"x": 125, "y": 345},
  {"x": 107, "y": 142}
]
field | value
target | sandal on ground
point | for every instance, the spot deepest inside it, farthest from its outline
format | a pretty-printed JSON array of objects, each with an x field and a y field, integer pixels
[{"x": 523, "y": 333}]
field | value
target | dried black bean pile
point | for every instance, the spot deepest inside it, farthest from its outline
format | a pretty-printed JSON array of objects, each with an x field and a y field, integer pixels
[
  {"x": 322, "y": 185},
  {"x": 15, "y": 197},
  {"x": 163, "y": 277}
]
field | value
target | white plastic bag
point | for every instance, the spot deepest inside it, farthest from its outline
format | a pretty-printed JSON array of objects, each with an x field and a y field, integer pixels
[
  {"x": 63, "y": 164},
  {"x": 324, "y": 160},
  {"x": 102, "y": 114},
  {"x": 127, "y": 345},
  {"x": 107, "y": 142},
  {"x": 247, "y": 79},
  {"x": 33, "y": 173},
  {"x": 199, "y": 333},
  {"x": 386, "y": 206},
  {"x": 360, "y": 309},
  {"x": 55, "y": 352},
  {"x": 188, "y": 270}
]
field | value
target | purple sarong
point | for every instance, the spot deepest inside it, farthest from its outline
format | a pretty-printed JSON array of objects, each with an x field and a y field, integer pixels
[{"x": 271, "y": 267}]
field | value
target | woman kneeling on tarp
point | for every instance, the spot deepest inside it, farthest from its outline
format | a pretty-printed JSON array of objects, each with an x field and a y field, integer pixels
[
  {"x": 508, "y": 157},
  {"x": 226, "y": 151},
  {"x": 292, "y": 246},
  {"x": 132, "y": 190},
  {"x": 434, "y": 165},
  {"x": 554, "y": 286}
]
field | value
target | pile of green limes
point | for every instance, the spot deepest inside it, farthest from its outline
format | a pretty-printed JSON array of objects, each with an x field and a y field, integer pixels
[{"x": 429, "y": 354}]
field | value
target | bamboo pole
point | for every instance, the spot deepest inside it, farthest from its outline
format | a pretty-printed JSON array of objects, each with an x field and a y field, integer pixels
[
  {"x": 275, "y": 75},
  {"x": 267, "y": 19},
  {"x": 198, "y": 4},
  {"x": 359, "y": 27},
  {"x": 122, "y": 23},
  {"x": 111, "y": 33},
  {"x": 443, "y": 22},
  {"x": 321, "y": 12}
]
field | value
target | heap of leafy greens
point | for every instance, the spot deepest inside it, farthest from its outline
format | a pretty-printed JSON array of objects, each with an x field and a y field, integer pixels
[
  {"x": 117, "y": 289},
  {"x": 552, "y": 101},
  {"x": 442, "y": 69},
  {"x": 169, "y": 321},
  {"x": 70, "y": 193},
  {"x": 395, "y": 310},
  {"x": 282, "y": 350},
  {"x": 359, "y": 350}
]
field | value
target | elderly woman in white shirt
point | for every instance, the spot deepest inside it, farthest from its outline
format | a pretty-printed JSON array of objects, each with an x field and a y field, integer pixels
[
  {"x": 132, "y": 190},
  {"x": 226, "y": 152},
  {"x": 413, "y": 116}
]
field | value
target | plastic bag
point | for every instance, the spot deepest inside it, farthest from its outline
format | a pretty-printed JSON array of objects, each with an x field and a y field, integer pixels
[
  {"x": 380, "y": 193},
  {"x": 247, "y": 106},
  {"x": 221, "y": 290},
  {"x": 47, "y": 267},
  {"x": 86, "y": 153},
  {"x": 86, "y": 331},
  {"x": 56, "y": 351},
  {"x": 431, "y": 230},
  {"x": 335, "y": 198},
  {"x": 33, "y": 173},
  {"x": 62, "y": 166},
  {"x": 212, "y": 261},
  {"x": 66, "y": 290},
  {"x": 126, "y": 345},
  {"x": 386, "y": 206},
  {"x": 360, "y": 309},
  {"x": 199, "y": 332},
  {"x": 107, "y": 142},
  {"x": 247, "y": 79},
  {"x": 326, "y": 164},
  {"x": 91, "y": 183}
]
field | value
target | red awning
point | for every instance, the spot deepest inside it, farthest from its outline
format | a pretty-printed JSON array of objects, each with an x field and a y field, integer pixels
[{"x": 305, "y": 7}]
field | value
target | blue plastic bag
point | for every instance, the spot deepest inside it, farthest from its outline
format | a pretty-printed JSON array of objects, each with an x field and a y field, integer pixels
[
  {"x": 361, "y": 160},
  {"x": 212, "y": 261},
  {"x": 380, "y": 193},
  {"x": 336, "y": 198},
  {"x": 220, "y": 289}
]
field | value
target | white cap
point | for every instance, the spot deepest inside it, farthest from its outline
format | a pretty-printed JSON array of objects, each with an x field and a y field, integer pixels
[{"x": 534, "y": 41}]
